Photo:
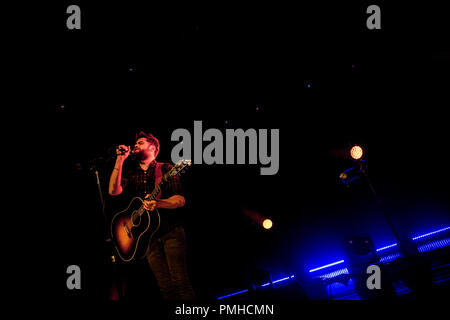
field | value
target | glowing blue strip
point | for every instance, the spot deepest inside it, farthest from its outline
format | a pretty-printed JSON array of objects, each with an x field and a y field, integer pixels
[
  {"x": 334, "y": 273},
  {"x": 387, "y": 247},
  {"x": 264, "y": 285},
  {"x": 276, "y": 281},
  {"x": 434, "y": 245},
  {"x": 429, "y": 234},
  {"x": 390, "y": 257},
  {"x": 232, "y": 294},
  {"x": 326, "y": 266}
]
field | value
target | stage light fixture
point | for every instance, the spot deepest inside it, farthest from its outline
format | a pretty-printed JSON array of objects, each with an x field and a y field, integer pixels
[
  {"x": 356, "y": 152},
  {"x": 267, "y": 224}
]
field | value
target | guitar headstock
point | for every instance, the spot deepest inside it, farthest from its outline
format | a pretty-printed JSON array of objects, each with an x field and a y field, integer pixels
[{"x": 179, "y": 167}]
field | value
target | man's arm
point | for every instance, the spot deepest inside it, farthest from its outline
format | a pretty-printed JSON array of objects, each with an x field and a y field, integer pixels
[
  {"x": 175, "y": 201},
  {"x": 115, "y": 187}
]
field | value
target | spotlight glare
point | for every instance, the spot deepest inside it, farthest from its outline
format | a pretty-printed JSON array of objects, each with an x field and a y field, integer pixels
[
  {"x": 267, "y": 224},
  {"x": 356, "y": 152}
]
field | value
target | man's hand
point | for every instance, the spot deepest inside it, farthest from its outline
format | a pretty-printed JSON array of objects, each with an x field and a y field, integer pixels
[
  {"x": 150, "y": 205},
  {"x": 123, "y": 155}
]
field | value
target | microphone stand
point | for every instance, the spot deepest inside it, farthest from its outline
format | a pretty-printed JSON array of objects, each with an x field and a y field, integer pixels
[
  {"x": 381, "y": 206},
  {"x": 108, "y": 240}
]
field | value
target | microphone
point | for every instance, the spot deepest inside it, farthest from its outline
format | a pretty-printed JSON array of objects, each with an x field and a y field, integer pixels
[{"x": 122, "y": 150}]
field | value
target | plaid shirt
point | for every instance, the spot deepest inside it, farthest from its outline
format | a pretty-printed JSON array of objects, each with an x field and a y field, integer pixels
[{"x": 137, "y": 182}]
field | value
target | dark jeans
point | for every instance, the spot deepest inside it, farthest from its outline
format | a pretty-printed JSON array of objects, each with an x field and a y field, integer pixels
[{"x": 167, "y": 259}]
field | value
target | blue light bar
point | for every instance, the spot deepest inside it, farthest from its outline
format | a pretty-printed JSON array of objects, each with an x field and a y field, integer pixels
[
  {"x": 429, "y": 234},
  {"x": 233, "y": 294},
  {"x": 264, "y": 285},
  {"x": 387, "y": 247},
  {"x": 326, "y": 266},
  {"x": 334, "y": 273},
  {"x": 434, "y": 245},
  {"x": 390, "y": 257},
  {"x": 276, "y": 281}
]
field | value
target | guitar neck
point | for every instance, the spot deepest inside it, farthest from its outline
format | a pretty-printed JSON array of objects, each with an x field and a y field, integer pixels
[
  {"x": 157, "y": 190},
  {"x": 177, "y": 169}
]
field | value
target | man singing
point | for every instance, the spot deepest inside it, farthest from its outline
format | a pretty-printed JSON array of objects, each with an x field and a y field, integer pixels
[{"x": 166, "y": 254}]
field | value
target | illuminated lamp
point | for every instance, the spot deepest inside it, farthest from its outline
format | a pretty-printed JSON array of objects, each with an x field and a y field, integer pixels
[
  {"x": 356, "y": 152},
  {"x": 267, "y": 224}
]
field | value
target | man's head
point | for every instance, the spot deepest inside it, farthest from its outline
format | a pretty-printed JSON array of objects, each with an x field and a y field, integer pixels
[{"x": 146, "y": 145}]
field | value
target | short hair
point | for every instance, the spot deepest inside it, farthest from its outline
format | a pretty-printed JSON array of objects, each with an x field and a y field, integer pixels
[{"x": 150, "y": 139}]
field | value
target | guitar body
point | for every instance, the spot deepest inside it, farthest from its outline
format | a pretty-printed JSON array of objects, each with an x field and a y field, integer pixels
[{"x": 132, "y": 229}]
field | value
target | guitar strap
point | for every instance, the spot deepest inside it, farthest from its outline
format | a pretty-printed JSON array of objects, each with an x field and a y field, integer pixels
[{"x": 158, "y": 176}]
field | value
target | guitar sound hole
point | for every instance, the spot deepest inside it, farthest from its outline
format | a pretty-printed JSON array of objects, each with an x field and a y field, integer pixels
[{"x": 135, "y": 218}]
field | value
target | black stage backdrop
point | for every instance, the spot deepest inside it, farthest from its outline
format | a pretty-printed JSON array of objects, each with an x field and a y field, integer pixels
[{"x": 316, "y": 73}]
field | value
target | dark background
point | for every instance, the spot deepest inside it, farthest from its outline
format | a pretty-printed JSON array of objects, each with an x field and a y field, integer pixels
[{"x": 313, "y": 71}]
